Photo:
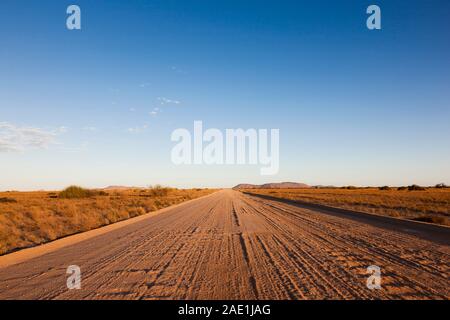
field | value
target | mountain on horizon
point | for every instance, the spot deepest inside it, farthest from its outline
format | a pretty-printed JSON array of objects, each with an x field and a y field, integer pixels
[
  {"x": 119, "y": 188},
  {"x": 275, "y": 185}
]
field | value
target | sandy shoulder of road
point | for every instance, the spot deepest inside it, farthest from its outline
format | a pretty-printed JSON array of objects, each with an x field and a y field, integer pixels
[{"x": 36, "y": 251}]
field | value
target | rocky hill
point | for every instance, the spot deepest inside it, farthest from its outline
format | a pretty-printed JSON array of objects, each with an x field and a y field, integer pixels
[{"x": 279, "y": 185}]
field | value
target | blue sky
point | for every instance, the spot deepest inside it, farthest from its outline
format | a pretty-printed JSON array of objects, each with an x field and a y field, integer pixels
[{"x": 96, "y": 107}]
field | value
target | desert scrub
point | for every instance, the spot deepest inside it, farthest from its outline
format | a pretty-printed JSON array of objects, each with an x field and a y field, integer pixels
[
  {"x": 159, "y": 191},
  {"x": 7, "y": 200},
  {"x": 75, "y": 192},
  {"x": 38, "y": 217},
  {"x": 415, "y": 187},
  {"x": 413, "y": 202}
]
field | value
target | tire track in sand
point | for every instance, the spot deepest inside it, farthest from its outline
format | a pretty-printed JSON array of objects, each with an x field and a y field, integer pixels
[{"x": 235, "y": 246}]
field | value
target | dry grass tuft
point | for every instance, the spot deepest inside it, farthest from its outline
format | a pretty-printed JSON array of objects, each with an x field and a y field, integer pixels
[{"x": 159, "y": 191}]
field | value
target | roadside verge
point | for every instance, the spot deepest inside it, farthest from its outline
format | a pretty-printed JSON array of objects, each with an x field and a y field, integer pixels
[
  {"x": 428, "y": 231},
  {"x": 36, "y": 251}
]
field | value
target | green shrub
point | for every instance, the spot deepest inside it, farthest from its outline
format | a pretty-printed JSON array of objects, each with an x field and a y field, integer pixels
[
  {"x": 384, "y": 188},
  {"x": 7, "y": 200},
  {"x": 75, "y": 192},
  {"x": 415, "y": 187},
  {"x": 441, "y": 186}
]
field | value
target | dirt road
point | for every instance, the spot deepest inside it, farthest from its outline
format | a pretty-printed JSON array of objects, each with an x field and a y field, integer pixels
[{"x": 234, "y": 246}]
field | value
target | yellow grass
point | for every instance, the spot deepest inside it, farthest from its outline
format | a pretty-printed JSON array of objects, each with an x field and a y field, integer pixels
[
  {"x": 430, "y": 205},
  {"x": 31, "y": 218}
]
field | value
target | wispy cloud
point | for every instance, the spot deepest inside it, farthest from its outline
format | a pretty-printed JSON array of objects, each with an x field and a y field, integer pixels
[
  {"x": 164, "y": 101},
  {"x": 155, "y": 111},
  {"x": 138, "y": 129},
  {"x": 15, "y": 138},
  {"x": 177, "y": 70},
  {"x": 145, "y": 85}
]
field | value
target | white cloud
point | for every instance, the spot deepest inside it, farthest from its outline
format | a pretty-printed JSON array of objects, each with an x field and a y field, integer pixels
[
  {"x": 144, "y": 85},
  {"x": 164, "y": 101},
  {"x": 15, "y": 139},
  {"x": 138, "y": 129},
  {"x": 177, "y": 70},
  {"x": 155, "y": 111}
]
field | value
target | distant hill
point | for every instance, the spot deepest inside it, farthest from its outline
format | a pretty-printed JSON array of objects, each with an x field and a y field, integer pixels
[
  {"x": 118, "y": 188},
  {"x": 246, "y": 186},
  {"x": 279, "y": 185},
  {"x": 324, "y": 187}
]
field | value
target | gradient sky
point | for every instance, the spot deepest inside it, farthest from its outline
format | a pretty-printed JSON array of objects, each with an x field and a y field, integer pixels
[{"x": 354, "y": 106}]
